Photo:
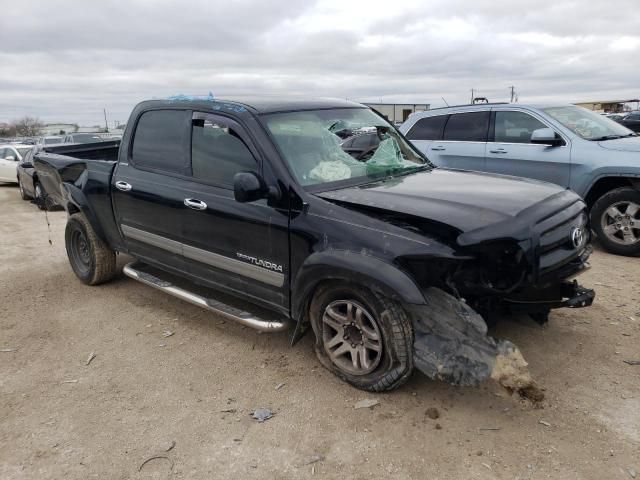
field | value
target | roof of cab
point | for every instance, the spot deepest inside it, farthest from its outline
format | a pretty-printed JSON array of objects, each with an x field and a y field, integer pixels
[{"x": 258, "y": 104}]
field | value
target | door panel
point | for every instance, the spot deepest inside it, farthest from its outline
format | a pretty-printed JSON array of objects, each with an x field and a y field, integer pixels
[
  {"x": 512, "y": 153},
  {"x": 461, "y": 155},
  {"x": 150, "y": 214},
  {"x": 8, "y": 168},
  {"x": 148, "y": 191},
  {"x": 463, "y": 141},
  {"x": 240, "y": 247}
]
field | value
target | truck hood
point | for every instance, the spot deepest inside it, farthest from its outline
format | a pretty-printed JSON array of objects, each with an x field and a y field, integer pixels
[
  {"x": 466, "y": 201},
  {"x": 629, "y": 144}
]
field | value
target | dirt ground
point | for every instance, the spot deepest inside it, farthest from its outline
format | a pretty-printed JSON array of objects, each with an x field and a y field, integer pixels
[{"x": 144, "y": 393}]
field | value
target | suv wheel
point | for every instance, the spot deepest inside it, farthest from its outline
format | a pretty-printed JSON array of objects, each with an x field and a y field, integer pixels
[
  {"x": 615, "y": 217},
  {"x": 362, "y": 337}
]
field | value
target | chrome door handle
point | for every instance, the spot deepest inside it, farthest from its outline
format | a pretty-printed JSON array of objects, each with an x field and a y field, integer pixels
[
  {"x": 500, "y": 150},
  {"x": 195, "y": 204},
  {"x": 124, "y": 186},
  {"x": 438, "y": 149}
]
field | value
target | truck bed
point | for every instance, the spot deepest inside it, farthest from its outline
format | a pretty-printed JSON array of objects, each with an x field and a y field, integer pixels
[{"x": 75, "y": 165}]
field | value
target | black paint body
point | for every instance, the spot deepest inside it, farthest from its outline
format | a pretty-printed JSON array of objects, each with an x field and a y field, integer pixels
[{"x": 487, "y": 238}]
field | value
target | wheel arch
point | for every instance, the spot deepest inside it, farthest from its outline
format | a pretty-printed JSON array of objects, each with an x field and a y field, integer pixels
[
  {"x": 351, "y": 267},
  {"x": 605, "y": 184}
]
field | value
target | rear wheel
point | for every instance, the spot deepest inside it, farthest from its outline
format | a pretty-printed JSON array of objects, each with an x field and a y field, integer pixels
[
  {"x": 92, "y": 261},
  {"x": 615, "y": 217},
  {"x": 362, "y": 337}
]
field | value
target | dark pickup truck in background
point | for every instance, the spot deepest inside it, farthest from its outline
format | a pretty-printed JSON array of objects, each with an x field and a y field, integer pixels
[{"x": 230, "y": 203}]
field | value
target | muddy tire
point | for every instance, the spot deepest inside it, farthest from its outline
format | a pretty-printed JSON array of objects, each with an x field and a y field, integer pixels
[
  {"x": 92, "y": 261},
  {"x": 362, "y": 337},
  {"x": 615, "y": 218}
]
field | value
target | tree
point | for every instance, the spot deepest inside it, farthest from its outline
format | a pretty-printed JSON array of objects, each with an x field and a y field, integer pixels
[
  {"x": 27, "y": 126},
  {"x": 7, "y": 130}
]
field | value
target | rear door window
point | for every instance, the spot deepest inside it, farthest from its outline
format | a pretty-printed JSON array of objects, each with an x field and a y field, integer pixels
[
  {"x": 467, "y": 127},
  {"x": 428, "y": 128},
  {"x": 218, "y": 151},
  {"x": 161, "y": 141},
  {"x": 515, "y": 127}
]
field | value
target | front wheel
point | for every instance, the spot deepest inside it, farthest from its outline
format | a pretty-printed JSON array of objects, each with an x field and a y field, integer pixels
[
  {"x": 40, "y": 196},
  {"x": 92, "y": 261},
  {"x": 615, "y": 217},
  {"x": 362, "y": 337},
  {"x": 23, "y": 193}
]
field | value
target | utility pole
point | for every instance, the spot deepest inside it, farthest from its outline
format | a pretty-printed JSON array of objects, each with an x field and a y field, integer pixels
[
  {"x": 513, "y": 93},
  {"x": 471, "y": 102},
  {"x": 106, "y": 125}
]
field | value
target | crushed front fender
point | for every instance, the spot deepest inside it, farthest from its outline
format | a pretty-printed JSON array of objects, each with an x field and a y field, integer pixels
[{"x": 451, "y": 344}]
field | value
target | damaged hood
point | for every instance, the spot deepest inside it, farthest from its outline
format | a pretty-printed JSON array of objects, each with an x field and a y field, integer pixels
[{"x": 466, "y": 201}]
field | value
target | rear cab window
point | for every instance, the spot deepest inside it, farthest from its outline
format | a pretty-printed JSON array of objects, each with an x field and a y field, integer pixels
[{"x": 161, "y": 141}]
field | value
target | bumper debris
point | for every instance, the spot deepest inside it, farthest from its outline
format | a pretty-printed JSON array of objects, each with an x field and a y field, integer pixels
[{"x": 451, "y": 344}]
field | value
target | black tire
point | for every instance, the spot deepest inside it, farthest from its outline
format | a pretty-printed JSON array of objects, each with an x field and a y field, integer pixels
[
  {"x": 611, "y": 231},
  {"x": 40, "y": 196},
  {"x": 23, "y": 194},
  {"x": 92, "y": 261},
  {"x": 395, "y": 363}
]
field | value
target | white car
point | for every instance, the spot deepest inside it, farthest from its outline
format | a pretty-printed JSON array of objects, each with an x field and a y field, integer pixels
[{"x": 10, "y": 155}]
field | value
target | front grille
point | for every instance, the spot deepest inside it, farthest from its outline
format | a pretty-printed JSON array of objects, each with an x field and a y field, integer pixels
[{"x": 556, "y": 247}]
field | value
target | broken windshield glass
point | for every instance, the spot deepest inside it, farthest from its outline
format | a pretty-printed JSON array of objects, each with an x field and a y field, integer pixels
[{"x": 334, "y": 145}]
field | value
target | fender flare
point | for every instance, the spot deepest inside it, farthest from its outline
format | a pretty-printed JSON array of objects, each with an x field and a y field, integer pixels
[
  {"x": 633, "y": 177},
  {"x": 76, "y": 201},
  {"x": 356, "y": 267}
]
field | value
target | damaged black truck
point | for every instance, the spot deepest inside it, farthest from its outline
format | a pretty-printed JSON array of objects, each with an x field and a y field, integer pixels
[{"x": 251, "y": 208}]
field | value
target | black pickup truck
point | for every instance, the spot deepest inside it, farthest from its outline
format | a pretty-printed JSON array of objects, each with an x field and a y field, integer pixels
[{"x": 230, "y": 203}]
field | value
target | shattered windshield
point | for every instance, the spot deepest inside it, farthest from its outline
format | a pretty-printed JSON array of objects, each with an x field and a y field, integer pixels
[{"x": 323, "y": 146}]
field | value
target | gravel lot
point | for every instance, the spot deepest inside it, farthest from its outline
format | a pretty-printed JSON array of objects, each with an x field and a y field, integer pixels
[{"x": 194, "y": 390}]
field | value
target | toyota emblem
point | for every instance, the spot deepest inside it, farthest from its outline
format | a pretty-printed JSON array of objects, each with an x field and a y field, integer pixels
[{"x": 577, "y": 236}]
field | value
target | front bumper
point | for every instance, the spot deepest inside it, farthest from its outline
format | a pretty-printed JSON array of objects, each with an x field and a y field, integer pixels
[{"x": 563, "y": 295}]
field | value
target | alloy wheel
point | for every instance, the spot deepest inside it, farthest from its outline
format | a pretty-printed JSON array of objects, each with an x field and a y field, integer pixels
[
  {"x": 621, "y": 223},
  {"x": 351, "y": 337}
]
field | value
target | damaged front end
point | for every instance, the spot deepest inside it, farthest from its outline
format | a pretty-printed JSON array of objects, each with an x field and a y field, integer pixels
[
  {"x": 451, "y": 344},
  {"x": 463, "y": 295}
]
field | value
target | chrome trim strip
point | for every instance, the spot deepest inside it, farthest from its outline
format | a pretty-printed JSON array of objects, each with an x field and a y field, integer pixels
[
  {"x": 240, "y": 316},
  {"x": 234, "y": 266},
  {"x": 152, "y": 239},
  {"x": 216, "y": 260}
]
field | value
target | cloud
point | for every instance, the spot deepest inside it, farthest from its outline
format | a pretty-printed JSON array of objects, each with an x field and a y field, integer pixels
[{"x": 66, "y": 61}]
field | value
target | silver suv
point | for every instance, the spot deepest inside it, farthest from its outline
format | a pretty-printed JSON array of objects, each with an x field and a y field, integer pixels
[{"x": 564, "y": 144}]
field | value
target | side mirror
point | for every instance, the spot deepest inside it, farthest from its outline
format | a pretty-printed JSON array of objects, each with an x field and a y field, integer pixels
[
  {"x": 545, "y": 136},
  {"x": 10, "y": 158},
  {"x": 27, "y": 165},
  {"x": 248, "y": 187}
]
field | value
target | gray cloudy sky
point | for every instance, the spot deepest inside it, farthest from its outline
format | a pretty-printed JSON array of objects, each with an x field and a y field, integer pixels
[{"x": 66, "y": 60}]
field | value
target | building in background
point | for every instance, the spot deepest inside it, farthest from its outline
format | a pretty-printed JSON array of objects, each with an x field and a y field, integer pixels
[
  {"x": 610, "y": 106},
  {"x": 398, "y": 112}
]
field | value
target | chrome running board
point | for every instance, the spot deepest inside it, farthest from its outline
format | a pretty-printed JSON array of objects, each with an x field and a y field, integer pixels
[{"x": 232, "y": 313}]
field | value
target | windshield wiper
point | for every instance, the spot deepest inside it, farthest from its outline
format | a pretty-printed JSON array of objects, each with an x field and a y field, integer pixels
[{"x": 606, "y": 137}]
